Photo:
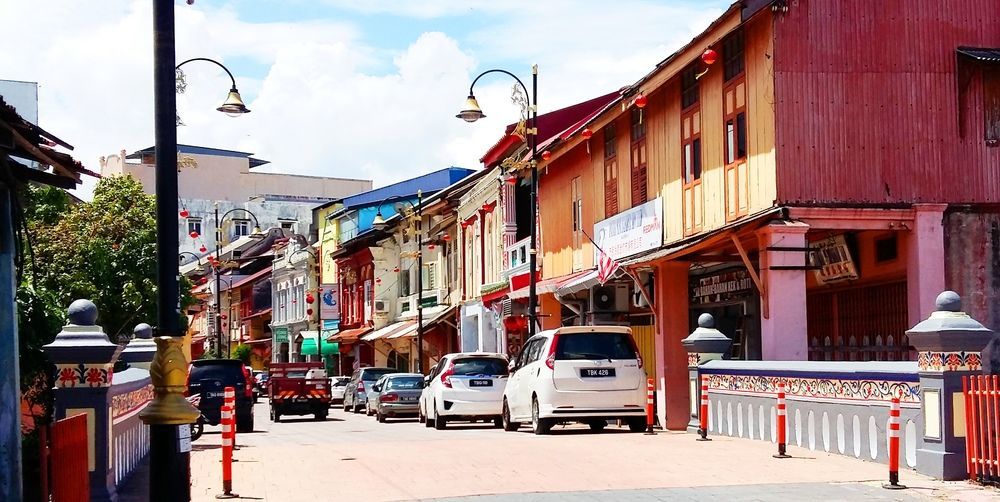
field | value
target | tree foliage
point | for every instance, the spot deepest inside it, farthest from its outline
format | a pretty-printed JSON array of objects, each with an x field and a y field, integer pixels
[{"x": 103, "y": 250}]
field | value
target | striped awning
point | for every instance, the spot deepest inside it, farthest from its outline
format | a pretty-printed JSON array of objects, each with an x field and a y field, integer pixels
[{"x": 387, "y": 330}]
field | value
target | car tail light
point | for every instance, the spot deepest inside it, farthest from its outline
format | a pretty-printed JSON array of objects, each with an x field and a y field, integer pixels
[
  {"x": 388, "y": 398},
  {"x": 635, "y": 348},
  {"x": 447, "y": 373},
  {"x": 550, "y": 361},
  {"x": 361, "y": 386}
]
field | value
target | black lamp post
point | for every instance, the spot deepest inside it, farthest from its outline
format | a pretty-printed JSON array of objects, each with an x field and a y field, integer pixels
[
  {"x": 379, "y": 224},
  {"x": 471, "y": 113},
  {"x": 255, "y": 234},
  {"x": 169, "y": 415}
]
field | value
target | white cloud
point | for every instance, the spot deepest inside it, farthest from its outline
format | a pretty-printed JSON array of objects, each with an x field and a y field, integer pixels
[{"x": 327, "y": 103}]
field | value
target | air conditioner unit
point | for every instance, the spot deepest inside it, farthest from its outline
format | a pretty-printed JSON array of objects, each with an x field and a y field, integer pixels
[
  {"x": 609, "y": 298},
  {"x": 381, "y": 306}
]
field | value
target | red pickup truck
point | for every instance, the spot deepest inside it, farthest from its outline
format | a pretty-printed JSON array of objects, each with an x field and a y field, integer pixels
[{"x": 294, "y": 394}]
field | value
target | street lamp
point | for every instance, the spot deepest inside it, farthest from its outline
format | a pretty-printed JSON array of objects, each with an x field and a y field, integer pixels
[
  {"x": 169, "y": 415},
  {"x": 379, "y": 223},
  {"x": 233, "y": 105},
  {"x": 472, "y": 112},
  {"x": 256, "y": 234}
]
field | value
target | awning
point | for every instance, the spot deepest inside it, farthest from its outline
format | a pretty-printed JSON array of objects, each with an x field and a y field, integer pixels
[
  {"x": 545, "y": 285},
  {"x": 986, "y": 55},
  {"x": 349, "y": 335},
  {"x": 256, "y": 314},
  {"x": 701, "y": 241},
  {"x": 260, "y": 341},
  {"x": 386, "y": 330},
  {"x": 412, "y": 330},
  {"x": 250, "y": 278},
  {"x": 308, "y": 347},
  {"x": 585, "y": 281}
]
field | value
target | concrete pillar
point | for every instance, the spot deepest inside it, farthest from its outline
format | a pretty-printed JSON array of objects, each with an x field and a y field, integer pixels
[
  {"x": 140, "y": 350},
  {"x": 704, "y": 344},
  {"x": 551, "y": 311},
  {"x": 924, "y": 260},
  {"x": 671, "y": 297},
  {"x": 84, "y": 359},
  {"x": 783, "y": 302},
  {"x": 949, "y": 346}
]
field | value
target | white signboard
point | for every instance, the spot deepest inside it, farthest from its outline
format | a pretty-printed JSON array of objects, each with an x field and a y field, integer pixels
[{"x": 629, "y": 232}]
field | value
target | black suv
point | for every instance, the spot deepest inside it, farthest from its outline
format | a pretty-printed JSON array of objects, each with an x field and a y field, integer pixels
[{"x": 210, "y": 377}]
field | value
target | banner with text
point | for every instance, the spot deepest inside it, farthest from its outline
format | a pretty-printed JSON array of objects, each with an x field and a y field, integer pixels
[{"x": 629, "y": 232}]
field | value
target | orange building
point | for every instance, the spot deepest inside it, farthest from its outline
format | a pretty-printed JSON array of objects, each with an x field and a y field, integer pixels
[{"x": 752, "y": 175}]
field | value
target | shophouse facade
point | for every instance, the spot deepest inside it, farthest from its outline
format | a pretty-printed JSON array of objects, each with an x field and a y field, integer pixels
[
  {"x": 366, "y": 281},
  {"x": 789, "y": 208}
]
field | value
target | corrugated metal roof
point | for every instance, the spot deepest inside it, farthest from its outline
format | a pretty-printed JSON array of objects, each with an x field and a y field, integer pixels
[
  {"x": 202, "y": 150},
  {"x": 429, "y": 183},
  {"x": 981, "y": 54}
]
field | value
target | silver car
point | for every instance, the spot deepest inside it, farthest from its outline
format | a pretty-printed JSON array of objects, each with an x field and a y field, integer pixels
[{"x": 397, "y": 394}]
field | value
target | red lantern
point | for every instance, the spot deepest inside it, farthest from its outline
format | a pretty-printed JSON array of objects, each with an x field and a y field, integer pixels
[
  {"x": 203, "y": 249},
  {"x": 309, "y": 311},
  {"x": 185, "y": 213},
  {"x": 378, "y": 280},
  {"x": 709, "y": 56},
  {"x": 446, "y": 238},
  {"x": 546, "y": 155},
  {"x": 512, "y": 179},
  {"x": 430, "y": 246},
  {"x": 194, "y": 235},
  {"x": 587, "y": 133},
  {"x": 204, "y": 280},
  {"x": 224, "y": 317},
  {"x": 640, "y": 101},
  {"x": 395, "y": 269},
  {"x": 310, "y": 299}
]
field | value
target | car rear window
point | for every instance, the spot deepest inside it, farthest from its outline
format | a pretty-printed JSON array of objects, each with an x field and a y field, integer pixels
[
  {"x": 405, "y": 383},
  {"x": 472, "y": 366},
  {"x": 595, "y": 346},
  {"x": 228, "y": 374},
  {"x": 340, "y": 383},
  {"x": 374, "y": 374}
]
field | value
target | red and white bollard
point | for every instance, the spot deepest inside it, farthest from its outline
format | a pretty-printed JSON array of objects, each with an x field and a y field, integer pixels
[
  {"x": 781, "y": 422},
  {"x": 228, "y": 422},
  {"x": 650, "y": 389},
  {"x": 229, "y": 399},
  {"x": 894, "y": 447},
  {"x": 703, "y": 416}
]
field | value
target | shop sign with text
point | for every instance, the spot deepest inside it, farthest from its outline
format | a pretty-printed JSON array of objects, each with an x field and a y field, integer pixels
[{"x": 629, "y": 232}]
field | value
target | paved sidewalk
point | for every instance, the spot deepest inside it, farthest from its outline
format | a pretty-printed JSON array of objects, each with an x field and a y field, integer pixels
[{"x": 352, "y": 457}]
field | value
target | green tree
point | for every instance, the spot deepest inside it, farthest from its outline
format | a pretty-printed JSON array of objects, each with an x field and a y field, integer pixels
[{"x": 242, "y": 352}]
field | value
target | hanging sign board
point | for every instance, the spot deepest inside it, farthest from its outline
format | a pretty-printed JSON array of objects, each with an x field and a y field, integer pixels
[
  {"x": 832, "y": 257},
  {"x": 329, "y": 308},
  {"x": 629, "y": 232}
]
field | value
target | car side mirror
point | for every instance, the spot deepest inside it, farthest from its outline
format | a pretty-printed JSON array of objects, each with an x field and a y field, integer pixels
[
  {"x": 427, "y": 380},
  {"x": 376, "y": 388},
  {"x": 511, "y": 366}
]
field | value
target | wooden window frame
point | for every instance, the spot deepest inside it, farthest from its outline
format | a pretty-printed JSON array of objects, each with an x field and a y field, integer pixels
[
  {"x": 639, "y": 179},
  {"x": 735, "y": 148},
  {"x": 611, "y": 205},
  {"x": 733, "y": 56},
  {"x": 691, "y": 172}
]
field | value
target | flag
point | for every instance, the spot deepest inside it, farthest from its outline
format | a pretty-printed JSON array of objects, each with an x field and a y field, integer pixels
[{"x": 606, "y": 267}]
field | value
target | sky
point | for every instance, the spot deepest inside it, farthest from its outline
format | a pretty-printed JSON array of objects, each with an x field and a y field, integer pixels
[{"x": 347, "y": 88}]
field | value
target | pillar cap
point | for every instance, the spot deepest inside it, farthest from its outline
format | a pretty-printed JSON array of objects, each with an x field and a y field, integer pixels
[
  {"x": 705, "y": 339},
  {"x": 949, "y": 329},
  {"x": 141, "y": 348},
  {"x": 82, "y": 341}
]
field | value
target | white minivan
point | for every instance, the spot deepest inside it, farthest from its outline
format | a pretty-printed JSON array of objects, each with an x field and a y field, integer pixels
[
  {"x": 464, "y": 386},
  {"x": 588, "y": 374}
]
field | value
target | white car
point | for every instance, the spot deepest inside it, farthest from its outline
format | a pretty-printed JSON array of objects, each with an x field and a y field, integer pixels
[
  {"x": 464, "y": 386},
  {"x": 588, "y": 374},
  {"x": 337, "y": 389}
]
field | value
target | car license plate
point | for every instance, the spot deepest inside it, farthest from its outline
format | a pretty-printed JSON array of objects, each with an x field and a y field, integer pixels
[
  {"x": 480, "y": 383},
  {"x": 409, "y": 399},
  {"x": 597, "y": 372},
  {"x": 210, "y": 395}
]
